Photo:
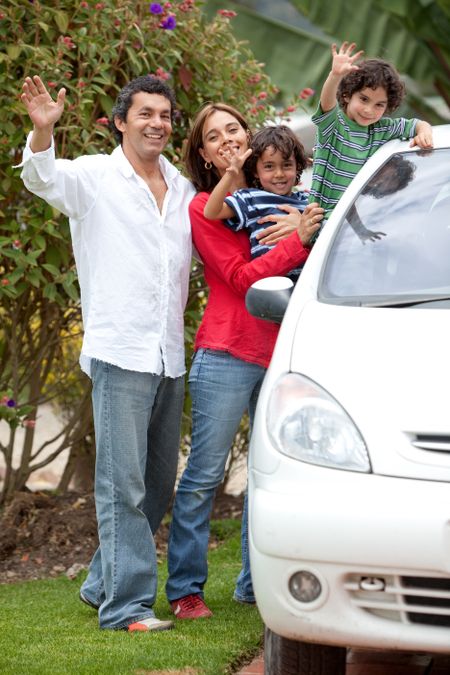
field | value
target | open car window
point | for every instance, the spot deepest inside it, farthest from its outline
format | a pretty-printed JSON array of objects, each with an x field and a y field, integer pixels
[{"x": 394, "y": 240}]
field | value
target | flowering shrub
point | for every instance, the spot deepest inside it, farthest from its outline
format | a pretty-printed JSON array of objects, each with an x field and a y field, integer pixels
[{"x": 91, "y": 49}]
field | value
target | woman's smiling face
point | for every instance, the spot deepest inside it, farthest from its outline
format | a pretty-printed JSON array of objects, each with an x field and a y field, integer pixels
[{"x": 222, "y": 130}]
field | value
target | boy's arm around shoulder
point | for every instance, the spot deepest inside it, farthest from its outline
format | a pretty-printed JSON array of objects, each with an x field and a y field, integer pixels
[{"x": 424, "y": 135}]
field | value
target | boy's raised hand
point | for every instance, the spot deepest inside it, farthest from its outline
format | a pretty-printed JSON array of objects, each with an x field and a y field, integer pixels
[
  {"x": 234, "y": 159},
  {"x": 344, "y": 60},
  {"x": 44, "y": 112}
]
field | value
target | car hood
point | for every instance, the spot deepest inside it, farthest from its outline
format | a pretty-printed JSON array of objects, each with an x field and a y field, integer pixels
[{"x": 389, "y": 369}]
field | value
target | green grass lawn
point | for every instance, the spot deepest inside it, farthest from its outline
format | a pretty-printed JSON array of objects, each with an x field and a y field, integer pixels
[{"x": 46, "y": 630}]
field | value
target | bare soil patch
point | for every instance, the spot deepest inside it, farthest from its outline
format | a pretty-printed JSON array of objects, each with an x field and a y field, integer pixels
[{"x": 44, "y": 535}]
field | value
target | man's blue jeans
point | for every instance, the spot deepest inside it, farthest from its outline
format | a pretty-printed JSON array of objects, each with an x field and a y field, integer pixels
[
  {"x": 222, "y": 387},
  {"x": 137, "y": 419}
]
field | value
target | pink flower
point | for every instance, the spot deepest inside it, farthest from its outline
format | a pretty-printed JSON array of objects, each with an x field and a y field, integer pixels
[
  {"x": 68, "y": 42},
  {"x": 291, "y": 108},
  {"x": 99, "y": 5},
  {"x": 262, "y": 95},
  {"x": 305, "y": 93},
  {"x": 228, "y": 13},
  {"x": 162, "y": 74},
  {"x": 4, "y": 282},
  {"x": 254, "y": 79},
  {"x": 104, "y": 121},
  {"x": 51, "y": 85},
  {"x": 81, "y": 84},
  {"x": 84, "y": 5},
  {"x": 17, "y": 244},
  {"x": 186, "y": 6}
]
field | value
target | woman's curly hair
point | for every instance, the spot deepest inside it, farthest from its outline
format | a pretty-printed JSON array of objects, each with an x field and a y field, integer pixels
[
  {"x": 280, "y": 138},
  {"x": 372, "y": 73}
]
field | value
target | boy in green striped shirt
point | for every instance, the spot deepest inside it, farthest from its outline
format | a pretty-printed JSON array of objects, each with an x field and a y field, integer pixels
[{"x": 351, "y": 132}]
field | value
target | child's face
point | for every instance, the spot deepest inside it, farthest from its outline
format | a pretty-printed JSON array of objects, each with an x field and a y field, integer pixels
[
  {"x": 367, "y": 106},
  {"x": 276, "y": 174}
]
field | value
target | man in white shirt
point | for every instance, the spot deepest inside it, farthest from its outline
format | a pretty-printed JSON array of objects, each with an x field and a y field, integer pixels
[{"x": 128, "y": 214}]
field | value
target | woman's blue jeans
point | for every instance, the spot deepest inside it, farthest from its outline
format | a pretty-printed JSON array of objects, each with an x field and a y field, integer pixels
[
  {"x": 222, "y": 388},
  {"x": 137, "y": 419}
]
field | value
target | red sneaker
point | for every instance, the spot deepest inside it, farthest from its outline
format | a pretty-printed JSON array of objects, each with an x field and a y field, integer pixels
[{"x": 190, "y": 607}]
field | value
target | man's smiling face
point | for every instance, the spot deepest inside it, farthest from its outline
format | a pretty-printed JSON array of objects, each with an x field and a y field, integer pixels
[{"x": 147, "y": 128}]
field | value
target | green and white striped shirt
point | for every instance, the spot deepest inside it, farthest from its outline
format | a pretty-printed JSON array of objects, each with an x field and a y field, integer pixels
[{"x": 343, "y": 146}]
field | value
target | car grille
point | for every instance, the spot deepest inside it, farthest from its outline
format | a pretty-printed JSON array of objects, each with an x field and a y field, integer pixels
[
  {"x": 418, "y": 600},
  {"x": 434, "y": 442}
]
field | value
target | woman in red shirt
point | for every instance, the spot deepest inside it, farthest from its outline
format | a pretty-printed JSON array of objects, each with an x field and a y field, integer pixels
[{"x": 232, "y": 352}]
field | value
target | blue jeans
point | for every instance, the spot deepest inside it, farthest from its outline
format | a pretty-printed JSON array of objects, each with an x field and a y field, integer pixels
[
  {"x": 137, "y": 419},
  {"x": 222, "y": 388}
]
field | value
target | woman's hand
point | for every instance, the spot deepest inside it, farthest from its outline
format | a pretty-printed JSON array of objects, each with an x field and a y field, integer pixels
[
  {"x": 282, "y": 225},
  {"x": 310, "y": 222},
  {"x": 305, "y": 223}
]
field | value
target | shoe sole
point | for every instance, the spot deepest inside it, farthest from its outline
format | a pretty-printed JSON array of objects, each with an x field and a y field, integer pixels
[
  {"x": 87, "y": 602},
  {"x": 142, "y": 628},
  {"x": 192, "y": 618}
]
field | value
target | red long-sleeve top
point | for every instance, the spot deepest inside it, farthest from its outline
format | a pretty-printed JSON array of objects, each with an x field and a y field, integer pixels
[{"x": 229, "y": 272}]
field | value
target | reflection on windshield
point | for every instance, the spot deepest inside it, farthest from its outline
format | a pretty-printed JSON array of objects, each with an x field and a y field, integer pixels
[{"x": 395, "y": 237}]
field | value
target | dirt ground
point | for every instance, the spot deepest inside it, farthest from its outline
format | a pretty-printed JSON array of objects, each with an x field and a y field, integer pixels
[{"x": 44, "y": 535}]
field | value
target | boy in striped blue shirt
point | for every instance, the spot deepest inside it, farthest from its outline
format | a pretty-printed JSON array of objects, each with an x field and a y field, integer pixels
[
  {"x": 350, "y": 121},
  {"x": 274, "y": 164}
]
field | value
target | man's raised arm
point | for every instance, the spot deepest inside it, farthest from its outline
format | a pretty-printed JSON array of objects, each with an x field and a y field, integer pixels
[{"x": 44, "y": 112}]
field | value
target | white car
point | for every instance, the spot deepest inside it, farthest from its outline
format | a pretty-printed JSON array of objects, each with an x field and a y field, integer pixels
[{"x": 349, "y": 467}]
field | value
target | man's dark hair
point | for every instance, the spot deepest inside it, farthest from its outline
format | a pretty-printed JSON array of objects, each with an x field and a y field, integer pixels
[
  {"x": 124, "y": 101},
  {"x": 280, "y": 138},
  {"x": 372, "y": 73}
]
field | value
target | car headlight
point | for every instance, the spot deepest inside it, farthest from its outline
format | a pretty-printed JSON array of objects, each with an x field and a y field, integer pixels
[{"x": 306, "y": 423}]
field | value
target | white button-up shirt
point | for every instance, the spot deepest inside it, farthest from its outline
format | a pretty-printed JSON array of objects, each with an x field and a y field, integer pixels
[{"x": 133, "y": 261}]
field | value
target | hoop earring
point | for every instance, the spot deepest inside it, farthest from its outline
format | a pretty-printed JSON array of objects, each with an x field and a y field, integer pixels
[{"x": 208, "y": 166}]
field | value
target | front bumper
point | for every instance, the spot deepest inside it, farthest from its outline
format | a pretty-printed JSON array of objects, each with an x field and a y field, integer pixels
[{"x": 346, "y": 528}]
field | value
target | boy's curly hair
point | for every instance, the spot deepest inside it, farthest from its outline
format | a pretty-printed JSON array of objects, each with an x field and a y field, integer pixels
[
  {"x": 372, "y": 73},
  {"x": 281, "y": 138}
]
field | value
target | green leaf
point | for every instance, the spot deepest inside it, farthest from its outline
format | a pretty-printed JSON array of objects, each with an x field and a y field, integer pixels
[
  {"x": 13, "y": 51},
  {"x": 35, "y": 277},
  {"x": 50, "y": 291},
  {"x": 51, "y": 268},
  {"x": 62, "y": 21}
]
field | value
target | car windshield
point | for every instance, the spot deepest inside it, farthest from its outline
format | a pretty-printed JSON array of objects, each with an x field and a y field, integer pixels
[{"x": 393, "y": 245}]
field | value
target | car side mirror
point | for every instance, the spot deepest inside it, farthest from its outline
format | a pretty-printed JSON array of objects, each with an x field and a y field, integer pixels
[{"x": 268, "y": 298}]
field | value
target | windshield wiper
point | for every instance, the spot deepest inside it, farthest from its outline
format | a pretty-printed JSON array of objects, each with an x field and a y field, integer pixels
[{"x": 407, "y": 301}]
